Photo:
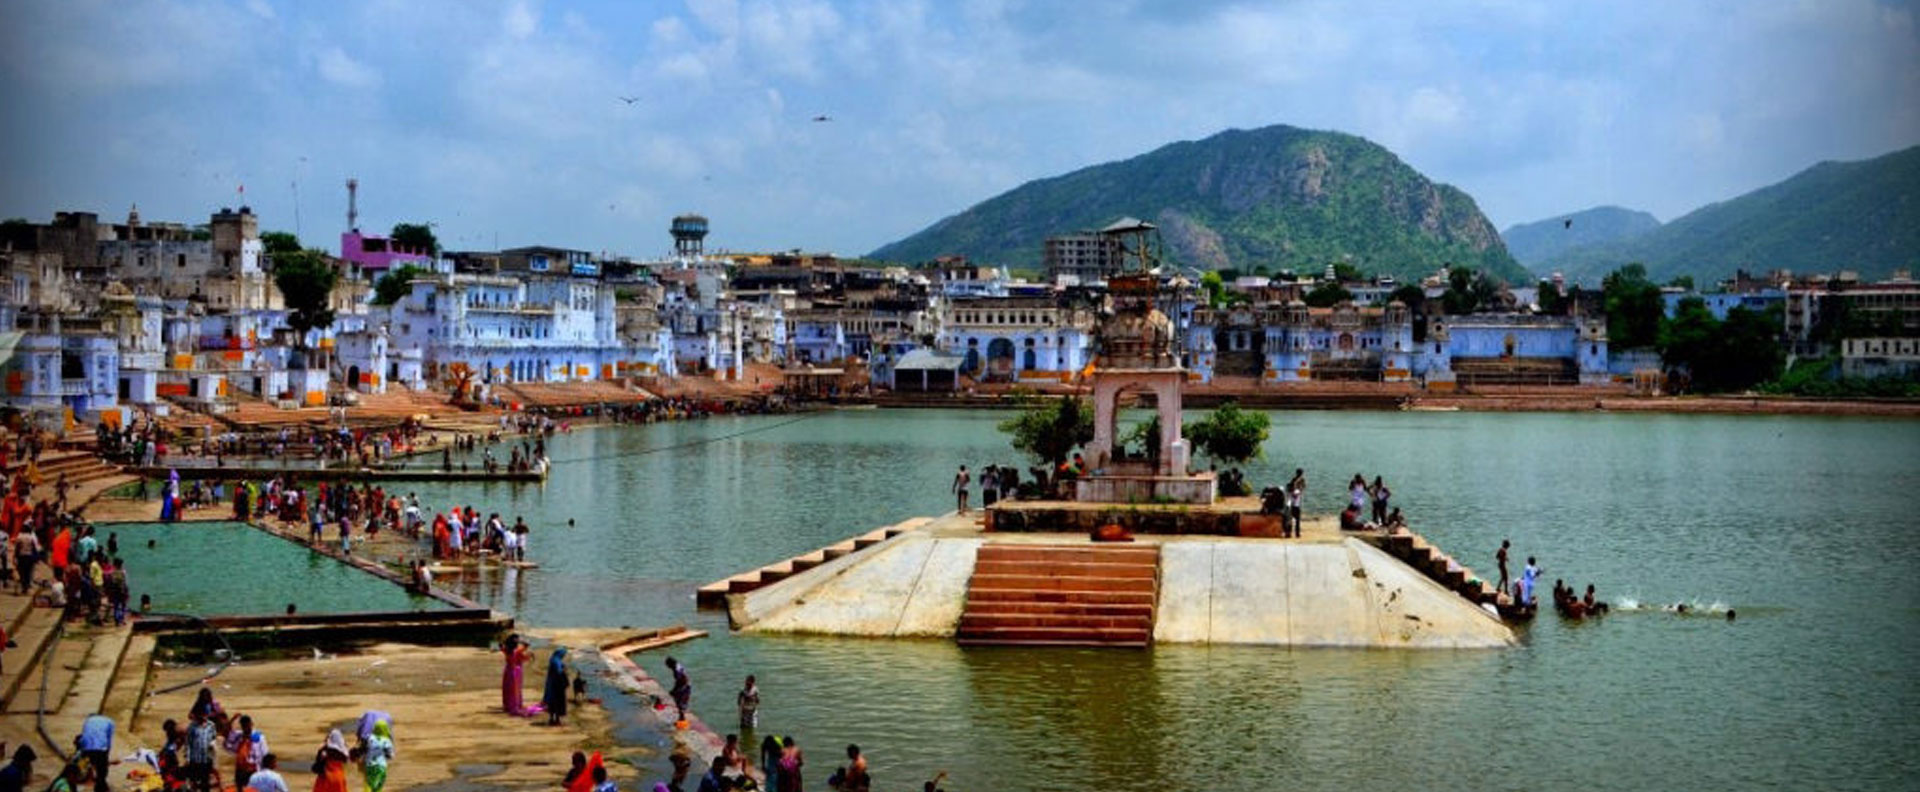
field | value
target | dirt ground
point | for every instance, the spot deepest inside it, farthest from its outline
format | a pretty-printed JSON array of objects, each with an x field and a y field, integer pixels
[{"x": 449, "y": 730}]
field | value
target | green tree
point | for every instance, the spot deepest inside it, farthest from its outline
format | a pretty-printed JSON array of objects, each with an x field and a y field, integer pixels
[
  {"x": 1327, "y": 294},
  {"x": 1633, "y": 306},
  {"x": 1216, "y": 289},
  {"x": 1735, "y": 354},
  {"x": 1347, "y": 273},
  {"x": 1551, "y": 301},
  {"x": 1230, "y": 435},
  {"x": 393, "y": 285},
  {"x": 1459, "y": 297},
  {"x": 1147, "y": 435},
  {"x": 1683, "y": 282},
  {"x": 277, "y": 242},
  {"x": 305, "y": 279},
  {"x": 1051, "y": 429},
  {"x": 416, "y": 236}
]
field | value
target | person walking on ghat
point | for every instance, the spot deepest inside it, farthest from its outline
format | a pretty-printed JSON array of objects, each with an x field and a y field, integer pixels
[{"x": 960, "y": 482}]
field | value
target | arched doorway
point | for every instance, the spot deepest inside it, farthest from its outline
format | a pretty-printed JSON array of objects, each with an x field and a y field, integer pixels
[
  {"x": 1000, "y": 358},
  {"x": 1027, "y": 363},
  {"x": 353, "y": 376}
]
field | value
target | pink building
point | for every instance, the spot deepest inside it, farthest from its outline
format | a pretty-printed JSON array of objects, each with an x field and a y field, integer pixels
[{"x": 376, "y": 254}]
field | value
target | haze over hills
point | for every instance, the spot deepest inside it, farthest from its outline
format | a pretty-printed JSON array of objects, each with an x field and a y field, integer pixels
[
  {"x": 1278, "y": 197},
  {"x": 1862, "y": 216},
  {"x": 1532, "y": 244}
]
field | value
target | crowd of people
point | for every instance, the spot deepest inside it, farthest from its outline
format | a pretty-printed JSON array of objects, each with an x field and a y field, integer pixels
[{"x": 189, "y": 759}]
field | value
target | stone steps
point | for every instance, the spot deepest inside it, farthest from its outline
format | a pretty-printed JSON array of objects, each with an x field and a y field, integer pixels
[
  {"x": 34, "y": 634},
  {"x": 1061, "y": 595},
  {"x": 129, "y": 685},
  {"x": 714, "y": 595}
]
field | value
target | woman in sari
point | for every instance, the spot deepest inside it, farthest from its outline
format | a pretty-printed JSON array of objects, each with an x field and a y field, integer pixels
[
  {"x": 517, "y": 654},
  {"x": 554, "y": 698},
  {"x": 169, "y": 492},
  {"x": 584, "y": 781},
  {"x": 330, "y": 764},
  {"x": 379, "y": 754}
]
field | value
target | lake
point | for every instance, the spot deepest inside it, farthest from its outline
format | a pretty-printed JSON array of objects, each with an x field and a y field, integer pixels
[{"x": 1801, "y": 524}]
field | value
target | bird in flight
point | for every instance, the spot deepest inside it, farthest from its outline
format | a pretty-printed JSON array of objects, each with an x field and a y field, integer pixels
[
  {"x": 1568, "y": 223},
  {"x": 820, "y": 118},
  {"x": 628, "y": 99}
]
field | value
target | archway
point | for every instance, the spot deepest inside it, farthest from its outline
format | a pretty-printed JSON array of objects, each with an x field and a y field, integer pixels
[
  {"x": 1000, "y": 358},
  {"x": 353, "y": 376}
]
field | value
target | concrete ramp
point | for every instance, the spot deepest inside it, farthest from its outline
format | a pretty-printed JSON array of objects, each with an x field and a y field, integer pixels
[
  {"x": 1320, "y": 594},
  {"x": 909, "y": 586}
]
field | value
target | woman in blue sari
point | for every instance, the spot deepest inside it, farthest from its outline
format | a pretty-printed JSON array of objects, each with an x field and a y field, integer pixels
[
  {"x": 169, "y": 497},
  {"x": 554, "y": 698}
]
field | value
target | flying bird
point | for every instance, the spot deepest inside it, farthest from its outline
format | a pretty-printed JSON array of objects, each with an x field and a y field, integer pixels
[
  {"x": 1568, "y": 223},
  {"x": 819, "y": 118},
  {"x": 628, "y": 99}
]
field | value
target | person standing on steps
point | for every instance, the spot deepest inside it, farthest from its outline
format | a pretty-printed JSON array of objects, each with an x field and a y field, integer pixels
[
  {"x": 1500, "y": 559},
  {"x": 960, "y": 482}
]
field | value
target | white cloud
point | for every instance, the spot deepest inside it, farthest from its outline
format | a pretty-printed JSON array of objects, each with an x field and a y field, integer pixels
[
  {"x": 260, "y": 8},
  {"x": 341, "y": 69},
  {"x": 521, "y": 20}
]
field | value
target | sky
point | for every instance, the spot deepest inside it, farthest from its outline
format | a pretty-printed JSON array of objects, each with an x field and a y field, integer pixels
[{"x": 503, "y": 123}]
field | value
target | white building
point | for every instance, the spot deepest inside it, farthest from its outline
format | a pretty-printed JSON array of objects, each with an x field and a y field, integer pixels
[{"x": 543, "y": 329}]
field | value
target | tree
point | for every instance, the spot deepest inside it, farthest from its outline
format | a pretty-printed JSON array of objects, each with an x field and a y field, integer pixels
[
  {"x": 394, "y": 285},
  {"x": 1411, "y": 295},
  {"x": 416, "y": 236},
  {"x": 1633, "y": 306},
  {"x": 1211, "y": 284},
  {"x": 1459, "y": 297},
  {"x": 1347, "y": 273},
  {"x": 1050, "y": 430},
  {"x": 1734, "y": 354},
  {"x": 1683, "y": 282},
  {"x": 277, "y": 242},
  {"x": 1148, "y": 436},
  {"x": 1230, "y": 435},
  {"x": 1328, "y": 294},
  {"x": 305, "y": 279},
  {"x": 1550, "y": 300}
]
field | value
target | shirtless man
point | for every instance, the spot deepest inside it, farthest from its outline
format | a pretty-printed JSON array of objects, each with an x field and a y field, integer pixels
[
  {"x": 1501, "y": 559},
  {"x": 960, "y": 482}
]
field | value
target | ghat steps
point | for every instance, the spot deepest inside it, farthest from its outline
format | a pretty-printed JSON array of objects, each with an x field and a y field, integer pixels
[{"x": 1061, "y": 595}]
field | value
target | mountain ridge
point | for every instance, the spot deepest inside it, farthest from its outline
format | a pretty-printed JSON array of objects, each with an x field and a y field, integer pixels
[
  {"x": 1277, "y": 196},
  {"x": 1535, "y": 242},
  {"x": 1862, "y": 215}
]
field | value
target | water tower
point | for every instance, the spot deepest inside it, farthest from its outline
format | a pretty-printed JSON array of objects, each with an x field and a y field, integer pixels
[{"x": 689, "y": 233}]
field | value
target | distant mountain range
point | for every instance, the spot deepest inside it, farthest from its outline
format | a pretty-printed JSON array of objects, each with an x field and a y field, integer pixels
[
  {"x": 1862, "y": 216},
  {"x": 1535, "y": 244},
  {"x": 1277, "y": 197}
]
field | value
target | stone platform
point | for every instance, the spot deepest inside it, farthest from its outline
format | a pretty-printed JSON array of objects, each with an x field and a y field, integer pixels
[
  {"x": 1324, "y": 589},
  {"x": 1238, "y": 516}
]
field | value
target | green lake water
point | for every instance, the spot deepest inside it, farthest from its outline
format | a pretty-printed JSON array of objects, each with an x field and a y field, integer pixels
[
  {"x": 229, "y": 569},
  {"x": 1803, "y": 524}
]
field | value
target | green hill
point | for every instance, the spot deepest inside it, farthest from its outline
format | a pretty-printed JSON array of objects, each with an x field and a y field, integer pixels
[
  {"x": 1279, "y": 197},
  {"x": 1532, "y": 244},
  {"x": 1862, "y": 216}
]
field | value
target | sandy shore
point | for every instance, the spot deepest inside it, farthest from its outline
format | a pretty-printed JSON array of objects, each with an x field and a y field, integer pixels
[{"x": 449, "y": 729}]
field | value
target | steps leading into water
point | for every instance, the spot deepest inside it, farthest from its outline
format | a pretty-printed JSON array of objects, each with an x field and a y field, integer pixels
[
  {"x": 1061, "y": 595},
  {"x": 714, "y": 595}
]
